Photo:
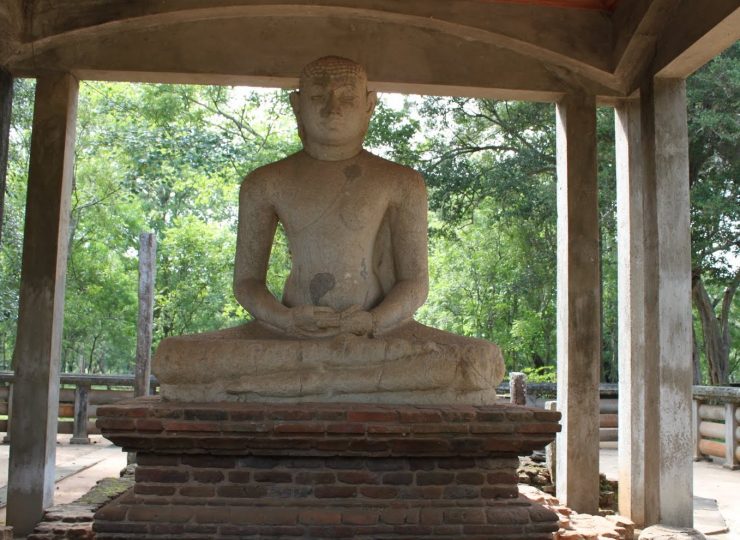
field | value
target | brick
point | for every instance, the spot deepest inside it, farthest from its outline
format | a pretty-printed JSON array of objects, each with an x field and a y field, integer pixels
[
  {"x": 492, "y": 428},
  {"x": 116, "y": 527},
  {"x": 290, "y": 414},
  {"x": 416, "y": 447},
  {"x": 241, "y": 492},
  {"x": 398, "y": 478},
  {"x": 381, "y": 429},
  {"x": 163, "y": 476},
  {"x": 258, "y": 462},
  {"x": 214, "y": 415},
  {"x": 495, "y": 531},
  {"x": 240, "y": 477},
  {"x": 331, "y": 532},
  {"x": 456, "y": 463},
  {"x": 157, "y": 459},
  {"x": 336, "y": 415},
  {"x": 192, "y": 528},
  {"x": 379, "y": 492},
  {"x": 346, "y": 463},
  {"x": 439, "y": 428},
  {"x": 247, "y": 427},
  {"x": 462, "y": 492},
  {"x": 320, "y": 517},
  {"x": 315, "y": 477},
  {"x": 467, "y": 446},
  {"x": 544, "y": 427},
  {"x": 360, "y": 517},
  {"x": 357, "y": 477},
  {"x": 372, "y": 416},
  {"x": 265, "y": 515},
  {"x": 149, "y": 424},
  {"x": 508, "y": 515},
  {"x": 419, "y": 416},
  {"x": 334, "y": 492},
  {"x": 167, "y": 528},
  {"x": 470, "y": 478},
  {"x": 148, "y": 489},
  {"x": 464, "y": 515},
  {"x": 209, "y": 461},
  {"x": 115, "y": 424},
  {"x": 490, "y": 416},
  {"x": 112, "y": 512},
  {"x": 212, "y": 514},
  {"x": 275, "y": 477},
  {"x": 431, "y": 516},
  {"x": 387, "y": 464},
  {"x": 302, "y": 427},
  {"x": 400, "y": 516},
  {"x": 458, "y": 415},
  {"x": 503, "y": 492},
  {"x": 311, "y": 463},
  {"x": 412, "y": 530},
  {"x": 174, "y": 514},
  {"x": 197, "y": 491},
  {"x": 430, "y": 478},
  {"x": 506, "y": 478},
  {"x": 422, "y": 464},
  {"x": 246, "y": 415},
  {"x": 346, "y": 428},
  {"x": 368, "y": 446},
  {"x": 184, "y": 425},
  {"x": 540, "y": 513},
  {"x": 207, "y": 477}
]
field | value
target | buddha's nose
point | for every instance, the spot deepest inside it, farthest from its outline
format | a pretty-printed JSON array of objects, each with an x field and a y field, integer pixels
[{"x": 332, "y": 105}]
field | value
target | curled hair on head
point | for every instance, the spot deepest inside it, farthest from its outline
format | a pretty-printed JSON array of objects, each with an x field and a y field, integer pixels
[{"x": 333, "y": 67}]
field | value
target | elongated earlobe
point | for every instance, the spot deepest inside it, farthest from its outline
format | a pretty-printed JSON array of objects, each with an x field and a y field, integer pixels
[{"x": 372, "y": 101}]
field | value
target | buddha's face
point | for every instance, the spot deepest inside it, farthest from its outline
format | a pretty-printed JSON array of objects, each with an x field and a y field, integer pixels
[{"x": 333, "y": 107}]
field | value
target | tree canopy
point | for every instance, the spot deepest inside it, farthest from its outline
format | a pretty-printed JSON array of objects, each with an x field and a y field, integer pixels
[{"x": 169, "y": 159}]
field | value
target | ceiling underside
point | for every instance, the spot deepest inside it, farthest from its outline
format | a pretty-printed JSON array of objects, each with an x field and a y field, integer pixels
[{"x": 517, "y": 49}]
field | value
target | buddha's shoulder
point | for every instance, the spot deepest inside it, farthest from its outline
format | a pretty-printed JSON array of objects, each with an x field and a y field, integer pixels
[{"x": 394, "y": 173}]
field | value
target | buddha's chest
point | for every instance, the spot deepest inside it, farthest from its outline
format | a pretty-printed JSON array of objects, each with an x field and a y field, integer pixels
[{"x": 347, "y": 203}]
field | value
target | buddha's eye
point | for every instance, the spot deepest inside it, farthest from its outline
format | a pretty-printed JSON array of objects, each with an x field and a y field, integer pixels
[{"x": 317, "y": 97}]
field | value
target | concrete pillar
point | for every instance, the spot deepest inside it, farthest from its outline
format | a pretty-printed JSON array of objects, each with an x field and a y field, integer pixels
[
  {"x": 578, "y": 304},
  {"x": 674, "y": 301},
  {"x": 6, "y": 103},
  {"x": 38, "y": 343},
  {"x": 638, "y": 378},
  {"x": 654, "y": 306}
]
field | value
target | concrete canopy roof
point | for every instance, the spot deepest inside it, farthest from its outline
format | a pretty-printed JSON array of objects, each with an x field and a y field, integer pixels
[{"x": 515, "y": 49}]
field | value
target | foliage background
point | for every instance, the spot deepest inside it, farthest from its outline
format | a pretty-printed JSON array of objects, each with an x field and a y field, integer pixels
[{"x": 169, "y": 159}]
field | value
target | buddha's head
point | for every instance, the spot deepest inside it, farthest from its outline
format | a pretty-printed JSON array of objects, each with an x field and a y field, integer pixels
[{"x": 332, "y": 104}]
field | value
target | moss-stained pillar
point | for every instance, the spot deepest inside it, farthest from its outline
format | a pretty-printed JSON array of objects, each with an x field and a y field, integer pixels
[
  {"x": 669, "y": 319},
  {"x": 38, "y": 343},
  {"x": 579, "y": 300},
  {"x": 638, "y": 374}
]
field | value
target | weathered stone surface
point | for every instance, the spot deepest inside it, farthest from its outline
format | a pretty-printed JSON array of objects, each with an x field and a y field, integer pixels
[
  {"x": 663, "y": 532},
  {"x": 343, "y": 329}
]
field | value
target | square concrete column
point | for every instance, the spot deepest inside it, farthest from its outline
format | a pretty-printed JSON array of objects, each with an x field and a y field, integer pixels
[
  {"x": 655, "y": 371},
  {"x": 638, "y": 378},
  {"x": 674, "y": 322},
  {"x": 6, "y": 102},
  {"x": 37, "y": 352},
  {"x": 578, "y": 304}
]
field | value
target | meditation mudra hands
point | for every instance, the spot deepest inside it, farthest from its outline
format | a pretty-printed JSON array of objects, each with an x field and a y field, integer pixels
[{"x": 319, "y": 321}]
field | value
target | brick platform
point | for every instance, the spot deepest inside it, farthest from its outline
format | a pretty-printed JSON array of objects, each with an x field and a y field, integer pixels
[{"x": 229, "y": 470}]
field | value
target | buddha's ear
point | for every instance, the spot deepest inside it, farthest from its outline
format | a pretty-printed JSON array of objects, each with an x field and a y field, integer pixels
[
  {"x": 295, "y": 102},
  {"x": 372, "y": 101}
]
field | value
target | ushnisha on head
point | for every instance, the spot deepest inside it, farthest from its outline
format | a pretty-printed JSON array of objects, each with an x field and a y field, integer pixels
[{"x": 333, "y": 108}]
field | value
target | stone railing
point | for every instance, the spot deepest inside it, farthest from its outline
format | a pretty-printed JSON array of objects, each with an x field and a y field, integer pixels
[
  {"x": 79, "y": 398},
  {"x": 717, "y": 424}
]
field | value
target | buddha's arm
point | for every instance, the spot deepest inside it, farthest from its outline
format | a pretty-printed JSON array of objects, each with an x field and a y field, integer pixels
[
  {"x": 408, "y": 223},
  {"x": 255, "y": 234}
]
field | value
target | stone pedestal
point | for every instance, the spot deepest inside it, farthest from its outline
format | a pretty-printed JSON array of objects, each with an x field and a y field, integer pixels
[{"x": 324, "y": 470}]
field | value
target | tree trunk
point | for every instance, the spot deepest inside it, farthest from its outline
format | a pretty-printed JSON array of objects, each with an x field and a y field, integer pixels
[
  {"x": 695, "y": 358},
  {"x": 715, "y": 329}
]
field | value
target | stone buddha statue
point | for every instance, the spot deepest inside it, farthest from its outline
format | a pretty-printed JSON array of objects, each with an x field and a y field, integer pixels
[{"x": 356, "y": 226}]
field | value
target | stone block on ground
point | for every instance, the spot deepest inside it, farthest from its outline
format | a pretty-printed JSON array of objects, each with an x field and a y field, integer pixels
[{"x": 664, "y": 532}]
